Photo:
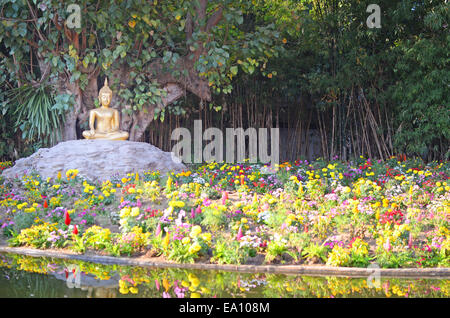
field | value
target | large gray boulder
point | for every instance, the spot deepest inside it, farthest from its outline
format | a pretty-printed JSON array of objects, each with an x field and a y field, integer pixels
[{"x": 96, "y": 159}]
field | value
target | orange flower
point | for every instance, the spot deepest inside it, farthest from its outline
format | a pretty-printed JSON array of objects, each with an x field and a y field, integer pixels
[
  {"x": 132, "y": 23},
  {"x": 166, "y": 284}
]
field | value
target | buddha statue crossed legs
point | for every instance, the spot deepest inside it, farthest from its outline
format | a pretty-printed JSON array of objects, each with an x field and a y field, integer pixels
[{"x": 107, "y": 119}]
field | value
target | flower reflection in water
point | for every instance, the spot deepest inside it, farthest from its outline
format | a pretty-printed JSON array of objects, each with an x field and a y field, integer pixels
[{"x": 99, "y": 280}]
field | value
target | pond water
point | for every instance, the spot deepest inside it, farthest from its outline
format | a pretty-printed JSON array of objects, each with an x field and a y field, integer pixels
[{"x": 26, "y": 276}]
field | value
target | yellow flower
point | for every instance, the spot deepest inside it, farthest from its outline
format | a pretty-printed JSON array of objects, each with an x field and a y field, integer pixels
[
  {"x": 134, "y": 290},
  {"x": 125, "y": 212},
  {"x": 244, "y": 220},
  {"x": 205, "y": 290},
  {"x": 132, "y": 23},
  {"x": 184, "y": 283},
  {"x": 135, "y": 211},
  {"x": 194, "y": 248},
  {"x": 194, "y": 280},
  {"x": 186, "y": 240},
  {"x": 195, "y": 231},
  {"x": 166, "y": 241},
  {"x": 293, "y": 178},
  {"x": 123, "y": 290},
  {"x": 206, "y": 236}
]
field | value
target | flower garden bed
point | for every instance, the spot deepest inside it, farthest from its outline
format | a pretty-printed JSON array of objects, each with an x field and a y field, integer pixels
[{"x": 339, "y": 214}]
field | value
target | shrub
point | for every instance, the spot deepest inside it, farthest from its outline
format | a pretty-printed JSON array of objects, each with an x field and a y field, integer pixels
[
  {"x": 97, "y": 238},
  {"x": 38, "y": 236},
  {"x": 214, "y": 216},
  {"x": 226, "y": 252},
  {"x": 315, "y": 251},
  {"x": 359, "y": 253},
  {"x": 339, "y": 256}
]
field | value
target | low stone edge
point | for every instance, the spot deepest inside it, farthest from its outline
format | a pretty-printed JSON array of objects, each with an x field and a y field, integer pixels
[{"x": 436, "y": 273}]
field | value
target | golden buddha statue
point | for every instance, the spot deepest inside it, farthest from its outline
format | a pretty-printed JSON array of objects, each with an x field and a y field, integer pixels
[{"x": 107, "y": 119}]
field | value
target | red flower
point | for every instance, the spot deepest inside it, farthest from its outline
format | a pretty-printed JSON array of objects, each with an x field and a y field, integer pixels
[
  {"x": 67, "y": 219},
  {"x": 45, "y": 204},
  {"x": 75, "y": 230}
]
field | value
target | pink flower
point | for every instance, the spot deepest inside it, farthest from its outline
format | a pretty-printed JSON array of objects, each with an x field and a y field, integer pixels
[
  {"x": 166, "y": 295},
  {"x": 158, "y": 229},
  {"x": 224, "y": 197},
  {"x": 239, "y": 235},
  {"x": 387, "y": 245}
]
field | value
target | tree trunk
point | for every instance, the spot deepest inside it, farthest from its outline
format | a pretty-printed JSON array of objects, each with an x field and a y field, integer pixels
[
  {"x": 176, "y": 87},
  {"x": 84, "y": 102}
]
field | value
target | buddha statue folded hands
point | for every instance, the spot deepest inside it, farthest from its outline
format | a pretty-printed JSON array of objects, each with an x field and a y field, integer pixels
[{"x": 107, "y": 119}]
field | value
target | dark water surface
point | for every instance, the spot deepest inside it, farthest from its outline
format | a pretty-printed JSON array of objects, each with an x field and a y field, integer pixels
[{"x": 26, "y": 276}]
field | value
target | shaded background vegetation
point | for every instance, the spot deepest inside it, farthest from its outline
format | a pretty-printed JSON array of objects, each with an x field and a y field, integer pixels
[{"x": 313, "y": 68}]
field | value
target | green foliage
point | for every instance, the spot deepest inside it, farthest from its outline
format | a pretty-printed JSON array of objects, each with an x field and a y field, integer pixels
[
  {"x": 36, "y": 112},
  {"x": 315, "y": 251},
  {"x": 277, "y": 249},
  {"x": 226, "y": 252},
  {"x": 151, "y": 38},
  {"x": 179, "y": 252},
  {"x": 23, "y": 220},
  {"x": 422, "y": 92},
  {"x": 77, "y": 244},
  {"x": 214, "y": 217},
  {"x": 395, "y": 259}
]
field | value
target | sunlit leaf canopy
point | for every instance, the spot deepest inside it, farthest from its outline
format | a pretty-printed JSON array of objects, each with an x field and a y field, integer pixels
[{"x": 136, "y": 33}]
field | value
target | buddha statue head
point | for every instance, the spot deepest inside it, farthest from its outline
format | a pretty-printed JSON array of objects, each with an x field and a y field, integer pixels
[{"x": 105, "y": 94}]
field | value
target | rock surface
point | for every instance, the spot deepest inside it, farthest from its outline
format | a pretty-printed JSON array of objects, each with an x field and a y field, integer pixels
[{"x": 96, "y": 159}]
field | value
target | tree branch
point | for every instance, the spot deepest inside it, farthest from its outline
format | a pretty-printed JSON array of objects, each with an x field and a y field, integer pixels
[
  {"x": 189, "y": 27},
  {"x": 214, "y": 19},
  {"x": 201, "y": 12}
]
